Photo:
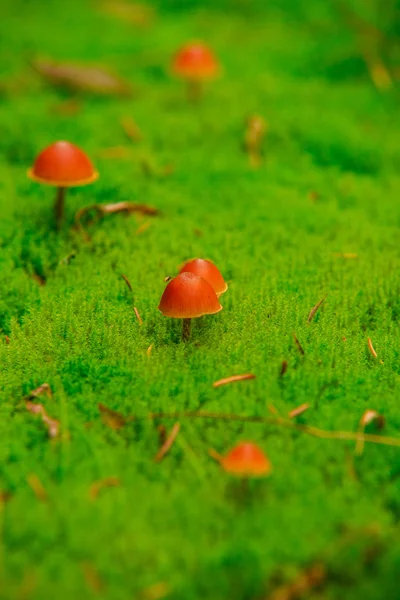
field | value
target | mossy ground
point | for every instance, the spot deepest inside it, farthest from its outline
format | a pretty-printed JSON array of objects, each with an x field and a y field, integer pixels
[{"x": 182, "y": 525}]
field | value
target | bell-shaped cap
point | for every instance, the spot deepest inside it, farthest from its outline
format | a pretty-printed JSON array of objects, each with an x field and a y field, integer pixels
[
  {"x": 246, "y": 460},
  {"x": 195, "y": 61},
  {"x": 63, "y": 165},
  {"x": 188, "y": 296},
  {"x": 206, "y": 269}
]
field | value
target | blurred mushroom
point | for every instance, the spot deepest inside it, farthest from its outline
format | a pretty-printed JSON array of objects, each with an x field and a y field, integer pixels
[
  {"x": 62, "y": 165},
  {"x": 246, "y": 460},
  {"x": 195, "y": 63}
]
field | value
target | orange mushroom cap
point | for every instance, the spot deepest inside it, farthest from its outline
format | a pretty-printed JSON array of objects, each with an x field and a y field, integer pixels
[
  {"x": 188, "y": 296},
  {"x": 206, "y": 269},
  {"x": 195, "y": 61},
  {"x": 246, "y": 460},
  {"x": 63, "y": 165}
]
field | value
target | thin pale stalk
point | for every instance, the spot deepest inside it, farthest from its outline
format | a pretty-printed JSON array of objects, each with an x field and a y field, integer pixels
[{"x": 59, "y": 206}]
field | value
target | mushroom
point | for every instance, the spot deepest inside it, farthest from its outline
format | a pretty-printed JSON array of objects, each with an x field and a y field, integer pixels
[
  {"x": 206, "y": 269},
  {"x": 188, "y": 296},
  {"x": 62, "y": 165},
  {"x": 195, "y": 63},
  {"x": 246, "y": 460}
]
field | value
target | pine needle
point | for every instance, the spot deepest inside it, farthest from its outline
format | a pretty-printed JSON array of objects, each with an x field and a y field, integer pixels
[
  {"x": 139, "y": 318},
  {"x": 315, "y": 309},
  {"x": 233, "y": 379},
  {"x": 165, "y": 448},
  {"x": 299, "y": 346},
  {"x": 296, "y": 412}
]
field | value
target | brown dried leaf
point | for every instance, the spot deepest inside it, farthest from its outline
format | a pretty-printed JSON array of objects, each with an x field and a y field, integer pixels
[
  {"x": 102, "y": 210},
  {"x": 7, "y": 339},
  {"x": 314, "y": 195},
  {"x": 4, "y": 497},
  {"x": 369, "y": 416},
  {"x": 115, "y": 152},
  {"x": 284, "y": 367},
  {"x": 165, "y": 448},
  {"x": 233, "y": 379},
  {"x": 298, "y": 345},
  {"x": 142, "y": 228},
  {"x": 128, "y": 283},
  {"x": 37, "y": 487},
  {"x": 92, "y": 577},
  {"x": 345, "y": 254},
  {"x": 52, "y": 425},
  {"x": 215, "y": 455},
  {"x": 379, "y": 73},
  {"x": 315, "y": 309},
  {"x": 28, "y": 584},
  {"x": 39, "y": 279},
  {"x": 131, "y": 129},
  {"x": 67, "y": 108},
  {"x": 111, "y": 418},
  {"x": 296, "y": 412},
  {"x": 256, "y": 129},
  {"x": 82, "y": 78},
  {"x": 136, "y": 14},
  {"x": 97, "y": 486},
  {"x": 162, "y": 434},
  {"x": 42, "y": 389},
  {"x": 305, "y": 582},
  {"x": 157, "y": 591},
  {"x": 152, "y": 170}
]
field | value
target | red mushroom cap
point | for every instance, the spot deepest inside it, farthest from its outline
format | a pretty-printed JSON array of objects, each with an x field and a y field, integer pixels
[
  {"x": 206, "y": 269},
  {"x": 246, "y": 460},
  {"x": 63, "y": 165},
  {"x": 188, "y": 296},
  {"x": 195, "y": 61}
]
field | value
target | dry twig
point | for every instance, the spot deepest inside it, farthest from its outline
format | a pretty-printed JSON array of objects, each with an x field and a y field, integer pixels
[
  {"x": 298, "y": 345},
  {"x": 233, "y": 379},
  {"x": 296, "y": 412},
  {"x": 165, "y": 448},
  {"x": 99, "y": 485},
  {"x": 315, "y": 309}
]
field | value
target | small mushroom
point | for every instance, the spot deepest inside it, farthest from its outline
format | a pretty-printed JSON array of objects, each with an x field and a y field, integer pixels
[
  {"x": 187, "y": 297},
  {"x": 206, "y": 269},
  {"x": 62, "y": 165},
  {"x": 195, "y": 63},
  {"x": 246, "y": 460}
]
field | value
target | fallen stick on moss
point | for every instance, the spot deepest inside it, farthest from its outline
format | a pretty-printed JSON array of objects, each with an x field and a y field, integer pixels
[
  {"x": 103, "y": 210},
  {"x": 352, "y": 436}
]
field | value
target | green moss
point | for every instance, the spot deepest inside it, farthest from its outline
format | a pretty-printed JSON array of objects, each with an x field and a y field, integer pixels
[{"x": 182, "y": 522}]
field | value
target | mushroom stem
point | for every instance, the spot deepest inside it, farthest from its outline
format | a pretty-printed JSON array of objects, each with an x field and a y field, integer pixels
[
  {"x": 194, "y": 90},
  {"x": 59, "y": 206},
  {"x": 186, "y": 329}
]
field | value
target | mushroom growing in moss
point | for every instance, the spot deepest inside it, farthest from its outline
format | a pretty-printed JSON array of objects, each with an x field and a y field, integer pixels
[
  {"x": 62, "y": 165},
  {"x": 246, "y": 459},
  {"x": 188, "y": 296},
  {"x": 195, "y": 63}
]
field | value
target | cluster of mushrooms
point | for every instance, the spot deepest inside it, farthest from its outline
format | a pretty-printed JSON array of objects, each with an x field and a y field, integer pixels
[{"x": 195, "y": 291}]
